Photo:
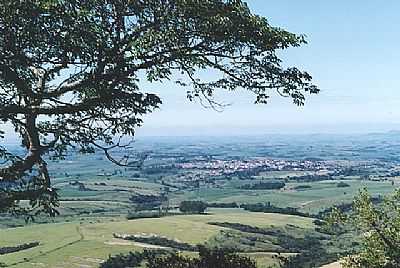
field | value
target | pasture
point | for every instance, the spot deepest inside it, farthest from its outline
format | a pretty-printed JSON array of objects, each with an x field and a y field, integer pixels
[
  {"x": 321, "y": 195},
  {"x": 84, "y": 244}
]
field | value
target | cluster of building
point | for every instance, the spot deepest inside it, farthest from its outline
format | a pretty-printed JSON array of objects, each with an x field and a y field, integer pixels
[{"x": 265, "y": 164}]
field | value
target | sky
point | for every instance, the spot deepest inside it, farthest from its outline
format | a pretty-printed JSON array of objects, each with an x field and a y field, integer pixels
[{"x": 352, "y": 54}]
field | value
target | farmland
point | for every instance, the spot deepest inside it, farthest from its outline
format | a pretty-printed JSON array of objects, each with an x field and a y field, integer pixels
[
  {"x": 89, "y": 243},
  {"x": 282, "y": 173}
]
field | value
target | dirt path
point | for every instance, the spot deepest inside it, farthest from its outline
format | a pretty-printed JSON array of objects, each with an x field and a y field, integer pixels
[
  {"x": 307, "y": 203},
  {"x": 332, "y": 265},
  {"x": 121, "y": 242}
]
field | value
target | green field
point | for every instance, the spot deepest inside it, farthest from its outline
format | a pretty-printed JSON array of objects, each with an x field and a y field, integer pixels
[
  {"x": 321, "y": 195},
  {"x": 96, "y": 197},
  {"x": 78, "y": 244}
]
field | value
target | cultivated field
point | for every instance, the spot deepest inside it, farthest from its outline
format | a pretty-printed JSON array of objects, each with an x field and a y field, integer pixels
[
  {"x": 78, "y": 244},
  {"x": 96, "y": 198}
]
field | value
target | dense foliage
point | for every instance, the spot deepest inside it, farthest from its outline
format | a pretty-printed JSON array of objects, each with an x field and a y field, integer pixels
[
  {"x": 132, "y": 259},
  {"x": 379, "y": 229},
  {"x": 268, "y": 185},
  {"x": 12, "y": 249},
  {"x": 315, "y": 257},
  {"x": 147, "y": 202},
  {"x": 223, "y": 205},
  {"x": 144, "y": 215},
  {"x": 71, "y": 74},
  {"x": 245, "y": 228},
  {"x": 158, "y": 240},
  {"x": 342, "y": 185},
  {"x": 269, "y": 208},
  {"x": 302, "y": 187},
  {"x": 196, "y": 207},
  {"x": 216, "y": 258}
]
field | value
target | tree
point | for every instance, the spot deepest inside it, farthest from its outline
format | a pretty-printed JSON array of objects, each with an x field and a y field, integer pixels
[
  {"x": 197, "y": 207},
  {"x": 148, "y": 202},
  {"x": 208, "y": 258},
  {"x": 216, "y": 258},
  {"x": 342, "y": 185},
  {"x": 71, "y": 74},
  {"x": 379, "y": 228}
]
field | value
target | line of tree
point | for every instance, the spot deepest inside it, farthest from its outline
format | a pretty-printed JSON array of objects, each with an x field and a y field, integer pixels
[
  {"x": 12, "y": 249},
  {"x": 342, "y": 185},
  {"x": 223, "y": 205},
  {"x": 208, "y": 258},
  {"x": 144, "y": 202},
  {"x": 269, "y": 208},
  {"x": 302, "y": 187},
  {"x": 193, "y": 207},
  {"x": 310, "y": 178},
  {"x": 265, "y": 185},
  {"x": 245, "y": 228},
  {"x": 158, "y": 241}
]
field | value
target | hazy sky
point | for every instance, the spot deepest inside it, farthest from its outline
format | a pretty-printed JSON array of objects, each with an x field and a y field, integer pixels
[{"x": 352, "y": 54}]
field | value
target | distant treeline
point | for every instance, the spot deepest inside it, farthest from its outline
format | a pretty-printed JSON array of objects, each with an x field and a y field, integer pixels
[
  {"x": 310, "y": 178},
  {"x": 158, "y": 169},
  {"x": 193, "y": 207},
  {"x": 268, "y": 185},
  {"x": 302, "y": 187},
  {"x": 269, "y": 208},
  {"x": 143, "y": 215},
  {"x": 147, "y": 202},
  {"x": 342, "y": 185},
  {"x": 141, "y": 198},
  {"x": 352, "y": 171},
  {"x": 223, "y": 205},
  {"x": 262, "y": 207},
  {"x": 245, "y": 228}
]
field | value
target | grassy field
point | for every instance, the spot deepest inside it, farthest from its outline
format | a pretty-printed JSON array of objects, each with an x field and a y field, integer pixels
[
  {"x": 86, "y": 244},
  {"x": 106, "y": 200},
  {"x": 95, "y": 201},
  {"x": 321, "y": 195}
]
